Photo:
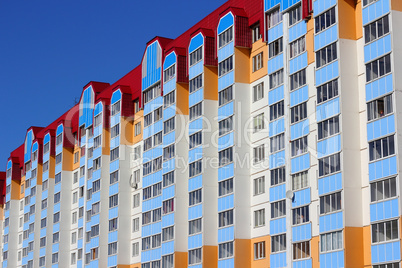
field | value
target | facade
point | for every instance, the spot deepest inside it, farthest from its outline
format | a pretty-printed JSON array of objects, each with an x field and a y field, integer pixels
[{"x": 266, "y": 135}]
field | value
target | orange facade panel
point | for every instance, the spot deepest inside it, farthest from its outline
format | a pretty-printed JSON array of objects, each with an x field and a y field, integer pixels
[
  {"x": 210, "y": 83},
  {"x": 242, "y": 65},
  {"x": 259, "y": 47},
  {"x": 261, "y": 262}
]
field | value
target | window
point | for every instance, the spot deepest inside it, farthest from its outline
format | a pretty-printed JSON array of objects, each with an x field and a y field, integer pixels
[
  {"x": 328, "y": 127},
  {"x": 259, "y": 218},
  {"x": 44, "y": 203},
  {"x": 158, "y": 114},
  {"x": 298, "y": 79},
  {"x": 95, "y": 208},
  {"x": 196, "y": 56},
  {"x": 46, "y": 147},
  {"x": 278, "y": 243},
  {"x": 277, "y": 143},
  {"x": 55, "y": 258},
  {"x": 225, "y": 95},
  {"x": 112, "y": 224},
  {"x": 258, "y": 154},
  {"x": 258, "y": 92},
  {"x": 258, "y": 62},
  {"x": 276, "y": 79},
  {"x": 147, "y": 119},
  {"x": 297, "y": 47},
  {"x": 58, "y": 159},
  {"x": 45, "y": 166},
  {"x": 73, "y": 258},
  {"x": 226, "y": 156},
  {"x": 147, "y": 144},
  {"x": 379, "y": 107},
  {"x": 381, "y": 148},
  {"x": 299, "y": 146},
  {"x": 225, "y": 37},
  {"x": 195, "y": 140},
  {"x": 327, "y": 91},
  {"x": 157, "y": 164},
  {"x": 194, "y": 226},
  {"x": 382, "y": 190},
  {"x": 114, "y": 131},
  {"x": 298, "y": 112},
  {"x": 278, "y": 209},
  {"x": 168, "y": 206},
  {"x": 168, "y": 179},
  {"x": 376, "y": 29},
  {"x": 196, "y": 111},
  {"x": 74, "y": 238},
  {"x": 330, "y": 203},
  {"x": 56, "y": 217},
  {"x": 195, "y": 168},
  {"x": 115, "y": 108},
  {"x": 331, "y": 241},
  {"x": 278, "y": 176},
  {"x": 259, "y": 185},
  {"x": 325, "y": 20},
  {"x": 169, "y": 99},
  {"x": 147, "y": 168},
  {"x": 225, "y": 250},
  {"x": 275, "y": 48},
  {"x": 258, "y": 123},
  {"x": 169, "y": 73},
  {"x": 112, "y": 249},
  {"x": 378, "y": 68},
  {"x": 113, "y": 201},
  {"x": 137, "y": 107},
  {"x": 136, "y": 225},
  {"x": 168, "y": 125},
  {"x": 167, "y": 261},
  {"x": 74, "y": 218},
  {"x": 43, "y": 223},
  {"x": 276, "y": 110},
  {"x": 301, "y": 250},
  {"x": 57, "y": 197},
  {"x": 195, "y": 83},
  {"x": 76, "y": 157},
  {"x": 75, "y": 175},
  {"x": 156, "y": 241},
  {"x": 326, "y": 55},
  {"x": 97, "y": 141},
  {"x": 114, "y": 154},
  {"x": 96, "y": 185},
  {"x": 97, "y": 163},
  {"x": 195, "y": 197},
  {"x": 136, "y": 249},
  {"x": 75, "y": 197},
  {"x": 137, "y": 129},
  {"x": 274, "y": 18},
  {"x": 226, "y": 187},
  {"x": 225, "y": 66},
  {"x": 295, "y": 15},
  {"x": 42, "y": 261},
  {"x": 146, "y": 217},
  {"x": 114, "y": 177},
  {"x": 300, "y": 180},
  {"x": 56, "y": 237},
  {"x": 255, "y": 33},
  {"x": 225, "y": 126},
  {"x": 94, "y": 253},
  {"x": 387, "y": 265},
  {"x": 259, "y": 250},
  {"x": 300, "y": 215},
  {"x": 98, "y": 120},
  {"x": 137, "y": 152},
  {"x": 95, "y": 230},
  {"x": 225, "y": 218},
  {"x": 42, "y": 242},
  {"x": 168, "y": 233},
  {"x": 194, "y": 256}
]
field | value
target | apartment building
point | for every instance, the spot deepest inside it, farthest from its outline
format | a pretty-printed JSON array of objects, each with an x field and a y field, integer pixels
[{"x": 266, "y": 135}]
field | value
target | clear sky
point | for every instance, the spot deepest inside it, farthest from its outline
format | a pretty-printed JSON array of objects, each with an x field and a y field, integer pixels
[{"x": 50, "y": 49}]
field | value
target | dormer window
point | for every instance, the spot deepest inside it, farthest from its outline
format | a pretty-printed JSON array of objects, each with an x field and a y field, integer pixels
[
  {"x": 196, "y": 56},
  {"x": 226, "y": 37}
]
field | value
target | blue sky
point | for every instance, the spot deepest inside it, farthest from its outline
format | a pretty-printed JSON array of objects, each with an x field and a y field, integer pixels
[{"x": 50, "y": 49}]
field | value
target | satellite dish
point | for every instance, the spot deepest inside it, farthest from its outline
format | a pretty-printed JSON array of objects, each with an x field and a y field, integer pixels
[
  {"x": 290, "y": 195},
  {"x": 133, "y": 184}
]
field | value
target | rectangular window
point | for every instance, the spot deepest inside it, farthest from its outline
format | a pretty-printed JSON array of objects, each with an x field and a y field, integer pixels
[
  {"x": 56, "y": 217},
  {"x": 137, "y": 152},
  {"x": 196, "y": 111},
  {"x": 114, "y": 154},
  {"x": 196, "y": 56},
  {"x": 76, "y": 157},
  {"x": 147, "y": 168},
  {"x": 225, "y": 126},
  {"x": 225, "y": 250},
  {"x": 194, "y": 256},
  {"x": 226, "y": 156},
  {"x": 168, "y": 179},
  {"x": 259, "y": 250},
  {"x": 298, "y": 112},
  {"x": 96, "y": 186},
  {"x": 97, "y": 163},
  {"x": 325, "y": 20},
  {"x": 136, "y": 200},
  {"x": 258, "y": 154},
  {"x": 382, "y": 190},
  {"x": 147, "y": 144},
  {"x": 378, "y": 68},
  {"x": 258, "y": 123},
  {"x": 146, "y": 218},
  {"x": 328, "y": 128},
  {"x": 331, "y": 241},
  {"x": 95, "y": 230},
  {"x": 115, "y": 108},
  {"x": 276, "y": 110},
  {"x": 158, "y": 114},
  {"x": 195, "y": 83},
  {"x": 225, "y": 37},
  {"x": 195, "y": 226},
  {"x": 225, "y": 218},
  {"x": 379, "y": 107},
  {"x": 114, "y": 177},
  {"x": 259, "y": 185},
  {"x": 298, "y": 79},
  {"x": 46, "y": 147},
  {"x": 258, "y": 92},
  {"x": 258, "y": 62},
  {"x": 275, "y": 48},
  {"x": 297, "y": 47},
  {"x": 225, "y": 187},
  {"x": 299, "y": 146},
  {"x": 278, "y": 209},
  {"x": 195, "y": 197},
  {"x": 376, "y": 29},
  {"x": 381, "y": 148},
  {"x": 276, "y": 79},
  {"x": 300, "y": 215},
  {"x": 301, "y": 250},
  {"x": 56, "y": 237},
  {"x": 157, "y": 164},
  {"x": 295, "y": 15},
  {"x": 168, "y": 206},
  {"x": 277, "y": 143},
  {"x": 58, "y": 159},
  {"x": 274, "y": 18},
  {"x": 225, "y": 66},
  {"x": 387, "y": 265},
  {"x": 195, "y": 168},
  {"x": 326, "y": 55},
  {"x": 168, "y": 125},
  {"x": 168, "y": 233},
  {"x": 169, "y": 73},
  {"x": 330, "y": 203},
  {"x": 113, "y": 201},
  {"x": 112, "y": 249},
  {"x": 278, "y": 243},
  {"x": 55, "y": 258},
  {"x": 195, "y": 140},
  {"x": 259, "y": 218},
  {"x": 97, "y": 120},
  {"x": 45, "y": 166},
  {"x": 112, "y": 224},
  {"x": 169, "y": 99},
  {"x": 137, "y": 129},
  {"x": 327, "y": 91},
  {"x": 278, "y": 176},
  {"x": 225, "y": 95},
  {"x": 300, "y": 180},
  {"x": 114, "y": 131},
  {"x": 137, "y": 107},
  {"x": 255, "y": 33},
  {"x": 95, "y": 208},
  {"x": 136, "y": 225},
  {"x": 168, "y": 152},
  {"x": 167, "y": 261}
]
